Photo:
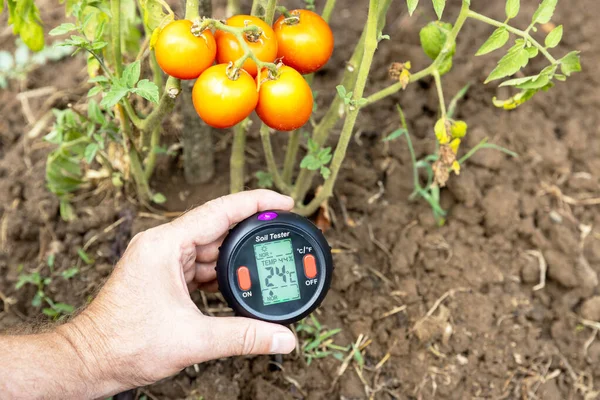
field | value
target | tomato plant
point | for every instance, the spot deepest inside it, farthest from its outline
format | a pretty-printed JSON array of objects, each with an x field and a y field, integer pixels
[
  {"x": 285, "y": 102},
  {"x": 261, "y": 42},
  {"x": 305, "y": 40},
  {"x": 225, "y": 94},
  {"x": 182, "y": 54},
  {"x": 221, "y": 101}
]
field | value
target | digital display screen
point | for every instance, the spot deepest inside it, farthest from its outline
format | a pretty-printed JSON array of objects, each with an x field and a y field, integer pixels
[{"x": 277, "y": 271}]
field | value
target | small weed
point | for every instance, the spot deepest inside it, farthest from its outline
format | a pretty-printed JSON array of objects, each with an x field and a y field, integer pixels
[
  {"x": 318, "y": 341},
  {"x": 53, "y": 309}
]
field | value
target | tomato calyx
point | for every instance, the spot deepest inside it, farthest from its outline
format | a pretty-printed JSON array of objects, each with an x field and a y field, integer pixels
[
  {"x": 233, "y": 72},
  {"x": 291, "y": 18},
  {"x": 252, "y": 33}
]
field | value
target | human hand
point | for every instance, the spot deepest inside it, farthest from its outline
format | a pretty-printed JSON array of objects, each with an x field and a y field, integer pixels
[{"x": 143, "y": 326}]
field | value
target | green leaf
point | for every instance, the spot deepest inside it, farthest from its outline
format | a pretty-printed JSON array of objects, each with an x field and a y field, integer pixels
[
  {"x": 147, "y": 90},
  {"x": 570, "y": 63},
  {"x": 516, "y": 58},
  {"x": 50, "y": 312},
  {"x": 94, "y": 112},
  {"x": 37, "y": 299},
  {"x": 159, "y": 198},
  {"x": 84, "y": 256},
  {"x": 395, "y": 135},
  {"x": 62, "y": 29},
  {"x": 554, "y": 37},
  {"x": 94, "y": 91},
  {"x": 154, "y": 13},
  {"x": 515, "y": 101},
  {"x": 325, "y": 172},
  {"x": 63, "y": 308},
  {"x": 69, "y": 273},
  {"x": 67, "y": 213},
  {"x": 512, "y": 8},
  {"x": 433, "y": 37},
  {"x": 497, "y": 40},
  {"x": 265, "y": 179},
  {"x": 32, "y": 35},
  {"x": 532, "y": 52},
  {"x": 90, "y": 152},
  {"x": 438, "y": 6},
  {"x": 544, "y": 12},
  {"x": 114, "y": 95},
  {"x": 131, "y": 74},
  {"x": 341, "y": 90},
  {"x": 412, "y": 6}
]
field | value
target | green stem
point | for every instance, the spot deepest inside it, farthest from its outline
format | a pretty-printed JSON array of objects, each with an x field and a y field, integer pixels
[
  {"x": 291, "y": 154},
  {"x": 440, "y": 92},
  {"x": 151, "y": 160},
  {"x": 264, "y": 9},
  {"x": 115, "y": 36},
  {"x": 450, "y": 41},
  {"x": 165, "y": 105},
  {"x": 143, "y": 189},
  {"x": 524, "y": 34},
  {"x": 336, "y": 109},
  {"x": 411, "y": 150},
  {"x": 191, "y": 9},
  {"x": 370, "y": 45},
  {"x": 236, "y": 162},
  {"x": 265, "y": 137},
  {"x": 328, "y": 9},
  {"x": 233, "y": 7},
  {"x": 485, "y": 145}
]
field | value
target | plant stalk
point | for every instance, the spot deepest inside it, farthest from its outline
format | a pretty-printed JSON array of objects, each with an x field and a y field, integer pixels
[
  {"x": 450, "y": 40},
  {"x": 370, "y": 45},
  {"x": 115, "y": 26},
  {"x": 291, "y": 154},
  {"x": 440, "y": 92},
  {"x": 328, "y": 10},
  {"x": 165, "y": 105},
  {"x": 236, "y": 162},
  {"x": 336, "y": 110},
  {"x": 264, "y": 9},
  {"x": 524, "y": 34},
  {"x": 265, "y": 136}
]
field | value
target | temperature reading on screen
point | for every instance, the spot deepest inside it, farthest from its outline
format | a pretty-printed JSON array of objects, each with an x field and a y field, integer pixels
[{"x": 277, "y": 271}]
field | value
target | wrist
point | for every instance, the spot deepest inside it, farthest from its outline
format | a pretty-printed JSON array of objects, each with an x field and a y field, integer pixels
[{"x": 87, "y": 348}]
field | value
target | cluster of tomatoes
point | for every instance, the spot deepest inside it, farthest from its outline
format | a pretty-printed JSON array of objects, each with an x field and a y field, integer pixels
[{"x": 223, "y": 96}]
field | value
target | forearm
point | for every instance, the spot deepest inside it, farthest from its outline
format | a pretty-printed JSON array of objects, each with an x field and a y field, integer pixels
[{"x": 51, "y": 365}]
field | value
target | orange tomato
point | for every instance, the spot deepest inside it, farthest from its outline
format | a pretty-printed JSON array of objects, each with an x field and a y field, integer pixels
[
  {"x": 181, "y": 54},
  {"x": 305, "y": 45},
  {"x": 285, "y": 103},
  {"x": 222, "y": 102},
  {"x": 264, "y": 46}
]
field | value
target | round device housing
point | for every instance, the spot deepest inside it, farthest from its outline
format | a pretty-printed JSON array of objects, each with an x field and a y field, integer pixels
[{"x": 274, "y": 266}]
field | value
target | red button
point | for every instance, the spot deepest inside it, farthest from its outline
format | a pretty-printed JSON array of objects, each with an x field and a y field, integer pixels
[
  {"x": 310, "y": 266},
  {"x": 244, "y": 281}
]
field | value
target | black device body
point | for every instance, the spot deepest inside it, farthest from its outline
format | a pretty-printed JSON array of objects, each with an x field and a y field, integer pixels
[{"x": 274, "y": 266}]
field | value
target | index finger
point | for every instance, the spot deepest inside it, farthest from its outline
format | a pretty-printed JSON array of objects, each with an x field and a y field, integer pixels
[{"x": 208, "y": 222}]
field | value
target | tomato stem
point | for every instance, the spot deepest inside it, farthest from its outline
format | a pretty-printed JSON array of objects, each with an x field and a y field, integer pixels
[{"x": 370, "y": 45}]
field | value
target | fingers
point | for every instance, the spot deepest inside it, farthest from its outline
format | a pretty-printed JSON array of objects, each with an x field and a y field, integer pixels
[
  {"x": 205, "y": 272},
  {"x": 209, "y": 252},
  {"x": 207, "y": 223},
  {"x": 210, "y": 287},
  {"x": 230, "y": 336}
]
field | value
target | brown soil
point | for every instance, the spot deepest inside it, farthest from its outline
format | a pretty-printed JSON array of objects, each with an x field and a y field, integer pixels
[{"x": 490, "y": 336}]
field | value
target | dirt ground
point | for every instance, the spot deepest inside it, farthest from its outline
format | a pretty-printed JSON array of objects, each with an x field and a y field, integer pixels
[{"x": 473, "y": 325}]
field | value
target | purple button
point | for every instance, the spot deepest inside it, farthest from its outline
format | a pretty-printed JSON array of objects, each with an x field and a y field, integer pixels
[{"x": 267, "y": 216}]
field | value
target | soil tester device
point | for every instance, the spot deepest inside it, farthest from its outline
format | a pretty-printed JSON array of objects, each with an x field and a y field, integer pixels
[{"x": 274, "y": 266}]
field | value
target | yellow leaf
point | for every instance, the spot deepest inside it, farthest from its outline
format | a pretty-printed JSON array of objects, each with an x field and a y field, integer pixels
[
  {"x": 454, "y": 145},
  {"x": 455, "y": 167},
  {"x": 440, "y": 131},
  {"x": 459, "y": 129},
  {"x": 404, "y": 78}
]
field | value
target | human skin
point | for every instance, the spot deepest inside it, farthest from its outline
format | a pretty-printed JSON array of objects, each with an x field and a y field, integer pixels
[{"x": 143, "y": 326}]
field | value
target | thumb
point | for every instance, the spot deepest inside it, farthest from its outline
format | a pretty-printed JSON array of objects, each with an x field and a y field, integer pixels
[{"x": 231, "y": 336}]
